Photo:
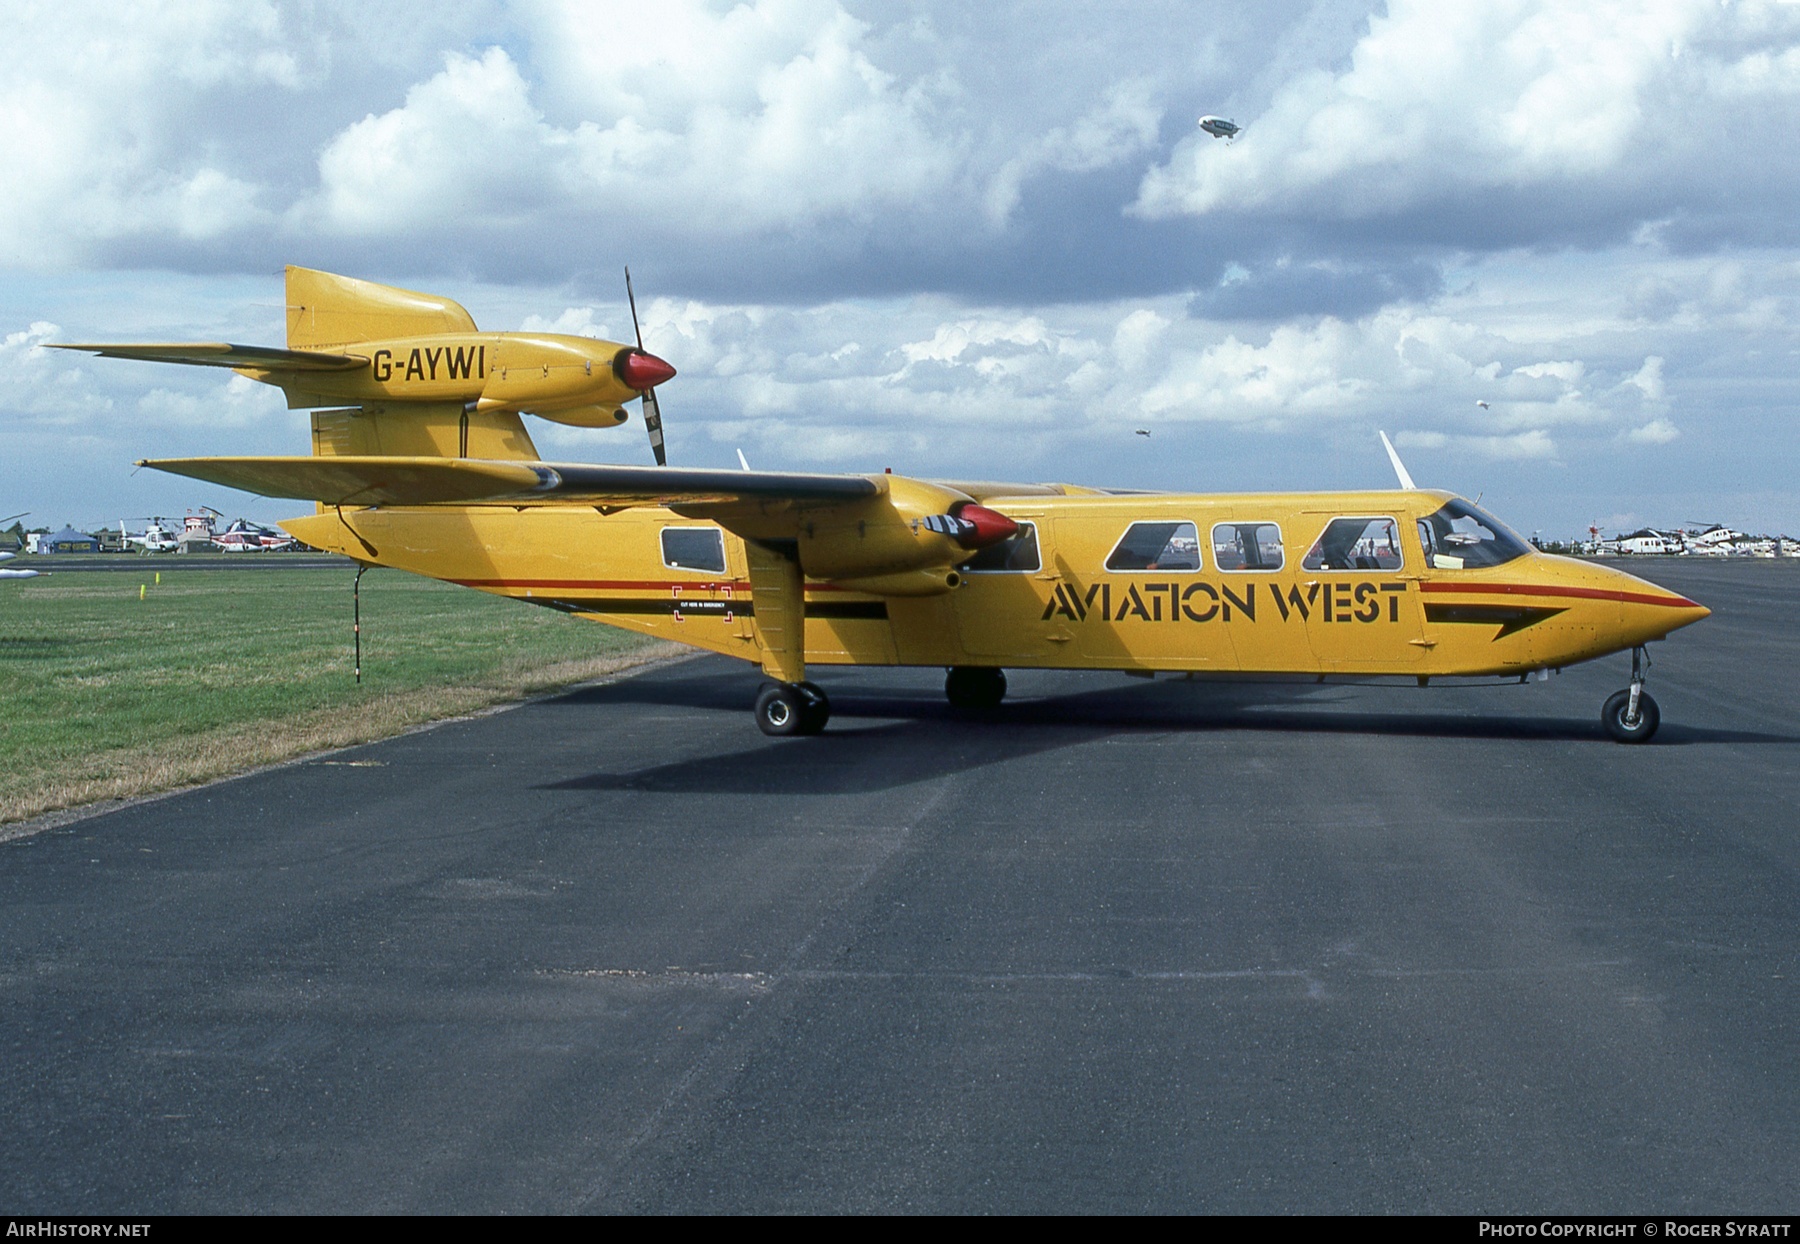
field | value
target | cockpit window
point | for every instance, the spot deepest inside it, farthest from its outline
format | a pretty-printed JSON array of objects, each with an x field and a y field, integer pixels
[
  {"x": 1247, "y": 546},
  {"x": 1356, "y": 544},
  {"x": 1157, "y": 546},
  {"x": 1461, "y": 537}
]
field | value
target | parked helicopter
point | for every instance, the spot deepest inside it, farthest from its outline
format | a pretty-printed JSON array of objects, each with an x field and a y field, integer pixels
[
  {"x": 785, "y": 570},
  {"x": 158, "y": 537}
]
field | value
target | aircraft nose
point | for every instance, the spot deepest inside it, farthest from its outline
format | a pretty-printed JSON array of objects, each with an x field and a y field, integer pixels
[
  {"x": 1651, "y": 611},
  {"x": 641, "y": 370}
]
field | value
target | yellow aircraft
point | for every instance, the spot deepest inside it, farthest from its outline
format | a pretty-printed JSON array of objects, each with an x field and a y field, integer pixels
[{"x": 786, "y": 570}]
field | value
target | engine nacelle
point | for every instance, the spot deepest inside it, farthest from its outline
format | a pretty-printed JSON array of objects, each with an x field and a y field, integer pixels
[
  {"x": 586, "y": 416},
  {"x": 905, "y": 542},
  {"x": 934, "y": 581}
]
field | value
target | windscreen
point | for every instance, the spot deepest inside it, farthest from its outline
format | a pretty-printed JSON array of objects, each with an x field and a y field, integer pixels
[{"x": 1461, "y": 537}]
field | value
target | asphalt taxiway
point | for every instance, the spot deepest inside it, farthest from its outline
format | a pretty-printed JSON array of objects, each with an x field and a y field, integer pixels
[{"x": 1121, "y": 946}]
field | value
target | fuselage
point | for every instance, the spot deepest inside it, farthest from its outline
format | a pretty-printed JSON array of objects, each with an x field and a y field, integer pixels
[{"x": 1413, "y": 583}]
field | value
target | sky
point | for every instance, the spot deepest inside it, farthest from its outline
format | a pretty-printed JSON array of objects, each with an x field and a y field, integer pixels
[{"x": 975, "y": 241}]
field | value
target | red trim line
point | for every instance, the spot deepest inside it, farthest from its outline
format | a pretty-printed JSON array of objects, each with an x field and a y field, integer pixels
[
  {"x": 632, "y": 585},
  {"x": 616, "y": 585},
  {"x": 1581, "y": 593}
]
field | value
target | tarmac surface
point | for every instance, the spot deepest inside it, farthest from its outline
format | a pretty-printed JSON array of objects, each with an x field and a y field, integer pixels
[{"x": 1123, "y": 946}]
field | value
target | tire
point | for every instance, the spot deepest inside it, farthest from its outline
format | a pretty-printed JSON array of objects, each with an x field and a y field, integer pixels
[
  {"x": 815, "y": 708},
  {"x": 780, "y": 710},
  {"x": 1612, "y": 716},
  {"x": 975, "y": 687}
]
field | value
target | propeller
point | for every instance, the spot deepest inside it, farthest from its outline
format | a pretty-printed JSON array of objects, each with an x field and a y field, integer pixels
[{"x": 651, "y": 369}]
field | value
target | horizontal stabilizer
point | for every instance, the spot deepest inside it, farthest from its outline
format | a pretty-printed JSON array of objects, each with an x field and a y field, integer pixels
[
  {"x": 347, "y": 480},
  {"x": 224, "y": 354}
]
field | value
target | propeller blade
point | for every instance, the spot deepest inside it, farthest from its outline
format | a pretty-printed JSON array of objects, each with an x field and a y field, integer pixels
[
  {"x": 632, "y": 299},
  {"x": 653, "y": 422},
  {"x": 652, "y": 412}
]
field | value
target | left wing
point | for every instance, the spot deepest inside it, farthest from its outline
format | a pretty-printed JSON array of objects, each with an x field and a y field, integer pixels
[{"x": 372, "y": 480}]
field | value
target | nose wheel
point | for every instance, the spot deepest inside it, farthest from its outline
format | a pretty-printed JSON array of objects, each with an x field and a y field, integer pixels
[
  {"x": 975, "y": 687},
  {"x": 784, "y": 709},
  {"x": 1631, "y": 716}
]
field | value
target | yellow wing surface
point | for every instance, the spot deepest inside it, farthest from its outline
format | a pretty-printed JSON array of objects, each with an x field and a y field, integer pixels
[
  {"x": 409, "y": 481},
  {"x": 222, "y": 354}
]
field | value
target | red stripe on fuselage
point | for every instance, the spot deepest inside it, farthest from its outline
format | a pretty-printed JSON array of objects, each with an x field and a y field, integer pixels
[
  {"x": 1581, "y": 593},
  {"x": 630, "y": 585}
]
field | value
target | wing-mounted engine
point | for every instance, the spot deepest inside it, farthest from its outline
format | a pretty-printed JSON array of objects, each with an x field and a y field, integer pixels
[{"x": 907, "y": 541}]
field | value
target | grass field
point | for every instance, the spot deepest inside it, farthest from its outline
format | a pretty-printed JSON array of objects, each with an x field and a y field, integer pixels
[{"x": 106, "y": 696}]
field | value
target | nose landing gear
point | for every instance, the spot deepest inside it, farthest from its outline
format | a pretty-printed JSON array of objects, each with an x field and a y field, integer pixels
[
  {"x": 1631, "y": 716},
  {"x": 975, "y": 688}
]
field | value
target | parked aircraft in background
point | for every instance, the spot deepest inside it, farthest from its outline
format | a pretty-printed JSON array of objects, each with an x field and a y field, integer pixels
[
  {"x": 244, "y": 536},
  {"x": 157, "y": 537}
]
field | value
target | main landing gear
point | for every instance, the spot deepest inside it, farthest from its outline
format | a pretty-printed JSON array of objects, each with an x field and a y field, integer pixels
[
  {"x": 785, "y": 708},
  {"x": 1631, "y": 716},
  {"x": 975, "y": 687}
]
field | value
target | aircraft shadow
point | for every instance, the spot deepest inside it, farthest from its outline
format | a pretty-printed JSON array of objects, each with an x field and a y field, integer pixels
[{"x": 919, "y": 737}]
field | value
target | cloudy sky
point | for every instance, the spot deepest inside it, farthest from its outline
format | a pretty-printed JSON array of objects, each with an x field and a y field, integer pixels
[{"x": 950, "y": 239}]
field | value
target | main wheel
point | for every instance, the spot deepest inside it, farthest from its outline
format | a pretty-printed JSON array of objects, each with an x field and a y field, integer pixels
[
  {"x": 815, "y": 708},
  {"x": 1613, "y": 717},
  {"x": 975, "y": 686},
  {"x": 780, "y": 709},
  {"x": 784, "y": 709}
]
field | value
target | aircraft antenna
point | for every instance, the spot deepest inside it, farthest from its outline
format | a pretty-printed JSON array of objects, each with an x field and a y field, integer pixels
[
  {"x": 1406, "y": 480},
  {"x": 652, "y": 412}
]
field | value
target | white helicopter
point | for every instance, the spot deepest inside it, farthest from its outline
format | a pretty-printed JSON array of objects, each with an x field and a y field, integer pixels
[{"x": 157, "y": 537}]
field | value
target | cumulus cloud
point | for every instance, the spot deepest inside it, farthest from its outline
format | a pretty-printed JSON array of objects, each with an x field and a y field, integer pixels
[
  {"x": 1119, "y": 128},
  {"x": 45, "y": 387},
  {"x": 1656, "y": 432},
  {"x": 1637, "y": 108},
  {"x": 767, "y": 115}
]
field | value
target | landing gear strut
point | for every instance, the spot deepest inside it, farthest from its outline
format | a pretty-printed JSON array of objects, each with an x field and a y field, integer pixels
[
  {"x": 975, "y": 686},
  {"x": 1631, "y": 716},
  {"x": 785, "y": 708}
]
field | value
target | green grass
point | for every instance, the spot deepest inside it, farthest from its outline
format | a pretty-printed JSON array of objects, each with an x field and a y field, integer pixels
[{"x": 104, "y": 695}]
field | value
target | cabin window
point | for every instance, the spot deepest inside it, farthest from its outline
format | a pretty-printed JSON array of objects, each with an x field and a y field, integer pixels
[
  {"x": 1356, "y": 544},
  {"x": 1461, "y": 537},
  {"x": 1247, "y": 546},
  {"x": 694, "y": 548},
  {"x": 1157, "y": 546},
  {"x": 1016, "y": 554}
]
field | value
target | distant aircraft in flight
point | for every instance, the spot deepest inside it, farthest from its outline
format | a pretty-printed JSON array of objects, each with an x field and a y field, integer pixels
[{"x": 1219, "y": 127}]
